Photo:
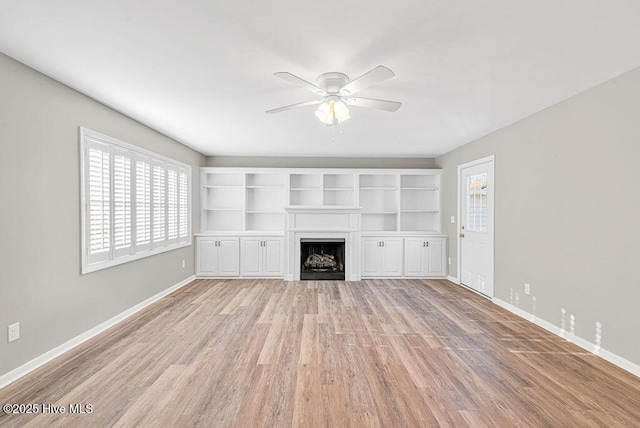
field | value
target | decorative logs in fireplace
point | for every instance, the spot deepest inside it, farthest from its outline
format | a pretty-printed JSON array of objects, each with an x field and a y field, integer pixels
[{"x": 322, "y": 259}]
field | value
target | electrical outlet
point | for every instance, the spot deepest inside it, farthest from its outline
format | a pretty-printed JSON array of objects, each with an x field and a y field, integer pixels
[
  {"x": 184, "y": 263},
  {"x": 449, "y": 260},
  {"x": 13, "y": 332},
  {"x": 527, "y": 289}
]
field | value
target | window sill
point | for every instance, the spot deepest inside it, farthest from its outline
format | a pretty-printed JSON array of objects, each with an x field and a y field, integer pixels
[{"x": 110, "y": 263}]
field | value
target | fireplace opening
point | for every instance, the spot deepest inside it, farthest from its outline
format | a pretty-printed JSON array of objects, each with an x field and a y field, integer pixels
[{"x": 322, "y": 259}]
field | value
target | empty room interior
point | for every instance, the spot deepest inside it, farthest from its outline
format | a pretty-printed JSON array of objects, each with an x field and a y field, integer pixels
[{"x": 360, "y": 213}]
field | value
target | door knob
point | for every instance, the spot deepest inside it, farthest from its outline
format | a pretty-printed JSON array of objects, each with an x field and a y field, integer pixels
[{"x": 461, "y": 235}]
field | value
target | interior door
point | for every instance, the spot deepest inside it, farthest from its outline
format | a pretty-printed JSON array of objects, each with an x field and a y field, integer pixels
[{"x": 476, "y": 226}]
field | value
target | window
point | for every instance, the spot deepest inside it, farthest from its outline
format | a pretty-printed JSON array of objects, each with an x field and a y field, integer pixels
[
  {"x": 134, "y": 203},
  {"x": 477, "y": 203}
]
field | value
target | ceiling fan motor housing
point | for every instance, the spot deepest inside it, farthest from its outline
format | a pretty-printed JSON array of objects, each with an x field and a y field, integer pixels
[{"x": 332, "y": 82}]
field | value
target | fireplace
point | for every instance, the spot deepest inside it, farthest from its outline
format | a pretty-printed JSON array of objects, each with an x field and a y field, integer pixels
[{"x": 322, "y": 259}]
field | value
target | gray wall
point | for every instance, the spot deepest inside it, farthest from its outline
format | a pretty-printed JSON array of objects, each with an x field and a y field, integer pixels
[
  {"x": 567, "y": 205},
  {"x": 40, "y": 283},
  {"x": 303, "y": 162}
]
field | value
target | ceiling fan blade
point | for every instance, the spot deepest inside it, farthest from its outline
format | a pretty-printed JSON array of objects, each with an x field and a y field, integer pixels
[
  {"x": 300, "y": 82},
  {"x": 370, "y": 78},
  {"x": 373, "y": 103},
  {"x": 289, "y": 107}
]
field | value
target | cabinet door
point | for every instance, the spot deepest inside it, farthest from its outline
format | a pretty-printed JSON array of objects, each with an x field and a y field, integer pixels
[
  {"x": 437, "y": 258},
  {"x": 228, "y": 263},
  {"x": 251, "y": 256},
  {"x": 207, "y": 257},
  {"x": 371, "y": 261},
  {"x": 415, "y": 257},
  {"x": 272, "y": 257},
  {"x": 392, "y": 257}
]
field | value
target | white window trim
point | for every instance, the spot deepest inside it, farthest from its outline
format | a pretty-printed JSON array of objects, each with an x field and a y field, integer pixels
[{"x": 86, "y": 267}]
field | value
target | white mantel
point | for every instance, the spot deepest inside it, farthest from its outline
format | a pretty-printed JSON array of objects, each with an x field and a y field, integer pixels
[{"x": 322, "y": 222}]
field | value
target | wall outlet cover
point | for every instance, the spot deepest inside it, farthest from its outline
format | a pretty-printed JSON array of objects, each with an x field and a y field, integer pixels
[
  {"x": 13, "y": 332},
  {"x": 527, "y": 289}
]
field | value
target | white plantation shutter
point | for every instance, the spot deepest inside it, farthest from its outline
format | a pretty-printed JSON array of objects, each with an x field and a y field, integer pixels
[
  {"x": 172, "y": 206},
  {"x": 143, "y": 204},
  {"x": 159, "y": 207},
  {"x": 134, "y": 203},
  {"x": 99, "y": 202},
  {"x": 183, "y": 206},
  {"x": 122, "y": 203}
]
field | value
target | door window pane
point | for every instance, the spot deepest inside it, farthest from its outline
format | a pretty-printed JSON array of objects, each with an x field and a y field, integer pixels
[{"x": 477, "y": 203}]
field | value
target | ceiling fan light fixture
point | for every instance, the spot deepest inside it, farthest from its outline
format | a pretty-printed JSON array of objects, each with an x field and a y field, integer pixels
[
  {"x": 324, "y": 113},
  {"x": 340, "y": 111},
  {"x": 331, "y": 111}
]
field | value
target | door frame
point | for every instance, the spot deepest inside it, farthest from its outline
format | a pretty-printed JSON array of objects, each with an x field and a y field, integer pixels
[{"x": 492, "y": 167}]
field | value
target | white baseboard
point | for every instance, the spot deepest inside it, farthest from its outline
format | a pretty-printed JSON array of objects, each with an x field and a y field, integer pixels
[
  {"x": 453, "y": 279},
  {"x": 584, "y": 344},
  {"x": 28, "y": 367}
]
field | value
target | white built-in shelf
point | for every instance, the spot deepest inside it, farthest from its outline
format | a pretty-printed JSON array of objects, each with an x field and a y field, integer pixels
[
  {"x": 378, "y": 188},
  {"x": 420, "y": 188},
  {"x": 380, "y": 212},
  {"x": 253, "y": 199},
  {"x": 223, "y": 209}
]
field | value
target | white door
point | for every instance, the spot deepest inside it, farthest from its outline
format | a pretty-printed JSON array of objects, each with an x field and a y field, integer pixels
[
  {"x": 415, "y": 259},
  {"x": 371, "y": 261},
  {"x": 272, "y": 257},
  {"x": 228, "y": 255},
  {"x": 207, "y": 257},
  {"x": 392, "y": 257},
  {"x": 437, "y": 253},
  {"x": 250, "y": 258},
  {"x": 476, "y": 225}
]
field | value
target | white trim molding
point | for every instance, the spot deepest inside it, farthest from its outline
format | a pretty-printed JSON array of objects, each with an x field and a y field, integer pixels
[
  {"x": 584, "y": 344},
  {"x": 41, "y": 360},
  {"x": 453, "y": 279}
]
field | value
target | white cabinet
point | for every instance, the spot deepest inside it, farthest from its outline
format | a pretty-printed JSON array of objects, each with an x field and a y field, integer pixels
[
  {"x": 382, "y": 257},
  {"x": 261, "y": 256},
  {"x": 217, "y": 256},
  {"x": 425, "y": 256}
]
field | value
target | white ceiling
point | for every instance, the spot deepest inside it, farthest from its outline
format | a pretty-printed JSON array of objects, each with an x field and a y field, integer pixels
[{"x": 200, "y": 71}]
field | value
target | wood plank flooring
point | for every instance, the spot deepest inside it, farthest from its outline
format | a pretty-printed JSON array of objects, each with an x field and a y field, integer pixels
[{"x": 384, "y": 353}]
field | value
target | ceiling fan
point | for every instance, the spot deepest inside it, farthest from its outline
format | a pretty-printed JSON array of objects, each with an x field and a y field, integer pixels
[{"x": 336, "y": 91}]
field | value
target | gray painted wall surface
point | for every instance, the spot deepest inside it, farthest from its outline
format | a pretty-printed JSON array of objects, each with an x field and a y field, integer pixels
[
  {"x": 566, "y": 212},
  {"x": 40, "y": 282},
  {"x": 304, "y": 162}
]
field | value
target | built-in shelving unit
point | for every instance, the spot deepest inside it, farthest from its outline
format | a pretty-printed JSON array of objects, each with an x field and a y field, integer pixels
[
  {"x": 379, "y": 202},
  {"x": 265, "y": 199},
  {"x": 253, "y": 199},
  {"x": 419, "y": 203}
]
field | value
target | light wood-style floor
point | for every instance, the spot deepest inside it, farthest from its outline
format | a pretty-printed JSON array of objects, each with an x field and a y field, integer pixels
[{"x": 388, "y": 353}]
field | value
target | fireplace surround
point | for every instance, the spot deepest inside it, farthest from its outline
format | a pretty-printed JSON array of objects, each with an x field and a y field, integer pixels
[{"x": 322, "y": 224}]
